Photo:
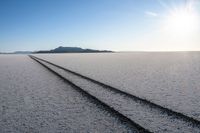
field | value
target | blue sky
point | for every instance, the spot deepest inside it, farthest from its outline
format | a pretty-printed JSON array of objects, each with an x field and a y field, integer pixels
[{"x": 122, "y": 25}]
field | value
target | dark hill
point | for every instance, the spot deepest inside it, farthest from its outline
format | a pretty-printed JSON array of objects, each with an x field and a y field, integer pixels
[{"x": 72, "y": 50}]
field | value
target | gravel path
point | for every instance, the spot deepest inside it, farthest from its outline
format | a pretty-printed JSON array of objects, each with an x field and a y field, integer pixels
[{"x": 34, "y": 100}]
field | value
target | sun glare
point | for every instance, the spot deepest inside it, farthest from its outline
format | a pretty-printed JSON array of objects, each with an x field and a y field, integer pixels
[{"x": 182, "y": 20}]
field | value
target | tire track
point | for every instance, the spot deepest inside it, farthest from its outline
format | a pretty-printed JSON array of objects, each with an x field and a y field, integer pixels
[
  {"x": 151, "y": 116},
  {"x": 121, "y": 117}
]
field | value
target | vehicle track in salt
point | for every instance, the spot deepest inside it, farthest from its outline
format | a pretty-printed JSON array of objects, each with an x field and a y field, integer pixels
[
  {"x": 120, "y": 116},
  {"x": 153, "y": 117}
]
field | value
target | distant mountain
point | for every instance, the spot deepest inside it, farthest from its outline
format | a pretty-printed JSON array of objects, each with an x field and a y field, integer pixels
[
  {"x": 61, "y": 50},
  {"x": 17, "y": 52},
  {"x": 72, "y": 50},
  {"x": 22, "y": 52}
]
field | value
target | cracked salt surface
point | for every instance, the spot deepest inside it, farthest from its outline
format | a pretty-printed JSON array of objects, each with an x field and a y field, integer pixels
[
  {"x": 151, "y": 118},
  {"x": 34, "y": 100},
  {"x": 170, "y": 79}
]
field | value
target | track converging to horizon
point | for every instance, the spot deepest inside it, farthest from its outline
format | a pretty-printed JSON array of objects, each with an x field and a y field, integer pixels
[{"x": 143, "y": 114}]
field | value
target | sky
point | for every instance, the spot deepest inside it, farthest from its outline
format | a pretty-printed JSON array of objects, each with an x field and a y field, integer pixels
[{"x": 119, "y": 25}]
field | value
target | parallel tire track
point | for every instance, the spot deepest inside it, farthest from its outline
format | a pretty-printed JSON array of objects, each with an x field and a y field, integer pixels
[
  {"x": 122, "y": 117},
  {"x": 167, "y": 110},
  {"x": 172, "y": 114}
]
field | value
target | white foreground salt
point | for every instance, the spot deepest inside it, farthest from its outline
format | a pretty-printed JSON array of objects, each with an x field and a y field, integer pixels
[
  {"x": 32, "y": 99},
  {"x": 170, "y": 79},
  {"x": 154, "y": 119}
]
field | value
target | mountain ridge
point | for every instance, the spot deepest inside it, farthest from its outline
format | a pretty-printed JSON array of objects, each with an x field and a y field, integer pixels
[{"x": 62, "y": 49}]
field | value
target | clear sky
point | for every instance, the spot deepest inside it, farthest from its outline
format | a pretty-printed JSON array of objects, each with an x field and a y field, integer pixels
[{"x": 122, "y": 25}]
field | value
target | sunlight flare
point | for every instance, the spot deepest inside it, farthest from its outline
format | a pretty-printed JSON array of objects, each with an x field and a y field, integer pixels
[{"x": 182, "y": 20}]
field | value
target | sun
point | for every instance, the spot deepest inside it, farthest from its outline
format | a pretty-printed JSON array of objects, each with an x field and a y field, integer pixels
[{"x": 182, "y": 20}]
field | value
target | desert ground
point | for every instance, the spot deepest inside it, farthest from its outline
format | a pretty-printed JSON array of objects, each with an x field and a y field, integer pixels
[{"x": 100, "y": 92}]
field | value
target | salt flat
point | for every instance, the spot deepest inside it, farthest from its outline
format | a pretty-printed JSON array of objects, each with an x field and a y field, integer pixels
[
  {"x": 34, "y": 100},
  {"x": 150, "y": 116},
  {"x": 170, "y": 79}
]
